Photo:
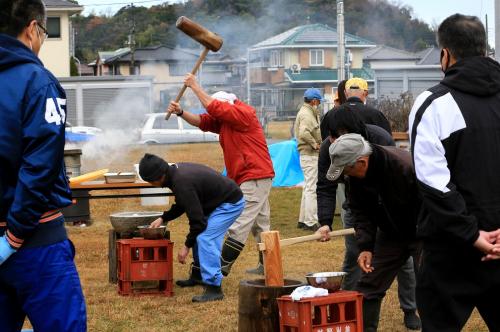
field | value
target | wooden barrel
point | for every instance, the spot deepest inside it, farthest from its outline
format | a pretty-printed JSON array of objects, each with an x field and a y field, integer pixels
[{"x": 257, "y": 307}]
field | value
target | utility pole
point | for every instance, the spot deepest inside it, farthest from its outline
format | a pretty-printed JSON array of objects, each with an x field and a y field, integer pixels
[
  {"x": 341, "y": 41},
  {"x": 131, "y": 42},
  {"x": 497, "y": 31},
  {"x": 487, "y": 40}
]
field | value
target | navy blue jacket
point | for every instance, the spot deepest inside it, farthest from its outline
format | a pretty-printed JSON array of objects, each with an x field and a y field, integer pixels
[{"x": 33, "y": 115}]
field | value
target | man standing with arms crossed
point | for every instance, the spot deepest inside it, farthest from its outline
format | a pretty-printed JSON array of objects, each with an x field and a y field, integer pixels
[
  {"x": 247, "y": 161},
  {"x": 455, "y": 141},
  {"x": 38, "y": 276}
]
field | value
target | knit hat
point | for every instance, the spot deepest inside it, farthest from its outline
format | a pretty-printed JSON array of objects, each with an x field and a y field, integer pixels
[{"x": 152, "y": 167}]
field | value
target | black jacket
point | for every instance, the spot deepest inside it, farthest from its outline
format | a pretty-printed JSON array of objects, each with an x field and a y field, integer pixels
[
  {"x": 455, "y": 139},
  {"x": 369, "y": 114},
  {"x": 326, "y": 190},
  {"x": 386, "y": 197},
  {"x": 198, "y": 191}
]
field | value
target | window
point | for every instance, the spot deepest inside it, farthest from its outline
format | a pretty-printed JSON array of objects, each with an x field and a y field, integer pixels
[
  {"x": 276, "y": 59},
  {"x": 316, "y": 58},
  {"x": 54, "y": 27},
  {"x": 180, "y": 69},
  {"x": 161, "y": 123}
]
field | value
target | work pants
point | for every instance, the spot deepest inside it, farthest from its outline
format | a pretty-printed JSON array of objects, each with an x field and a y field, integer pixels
[
  {"x": 255, "y": 217},
  {"x": 43, "y": 284},
  {"x": 209, "y": 242},
  {"x": 452, "y": 281},
  {"x": 308, "y": 205}
]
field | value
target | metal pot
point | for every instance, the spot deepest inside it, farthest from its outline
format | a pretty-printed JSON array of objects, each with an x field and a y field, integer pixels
[{"x": 328, "y": 280}]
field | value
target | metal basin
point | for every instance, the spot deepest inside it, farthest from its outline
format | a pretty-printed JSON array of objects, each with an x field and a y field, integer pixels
[
  {"x": 328, "y": 280},
  {"x": 123, "y": 222}
]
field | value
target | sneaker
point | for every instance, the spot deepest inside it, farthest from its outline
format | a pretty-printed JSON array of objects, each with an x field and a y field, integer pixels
[
  {"x": 412, "y": 321},
  {"x": 258, "y": 270},
  {"x": 313, "y": 228},
  {"x": 300, "y": 225}
]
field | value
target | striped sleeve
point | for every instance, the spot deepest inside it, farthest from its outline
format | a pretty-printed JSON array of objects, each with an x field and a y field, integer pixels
[{"x": 435, "y": 117}]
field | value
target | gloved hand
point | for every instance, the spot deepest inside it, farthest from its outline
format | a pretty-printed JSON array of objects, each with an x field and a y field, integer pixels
[{"x": 5, "y": 249}]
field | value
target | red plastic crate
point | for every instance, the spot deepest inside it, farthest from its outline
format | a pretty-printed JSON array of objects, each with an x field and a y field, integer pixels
[
  {"x": 143, "y": 264},
  {"x": 341, "y": 311}
]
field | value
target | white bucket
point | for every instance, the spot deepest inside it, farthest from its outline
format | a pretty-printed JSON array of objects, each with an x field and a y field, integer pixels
[{"x": 152, "y": 201}]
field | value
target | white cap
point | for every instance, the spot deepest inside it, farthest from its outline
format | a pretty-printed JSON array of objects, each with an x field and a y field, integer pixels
[{"x": 224, "y": 96}]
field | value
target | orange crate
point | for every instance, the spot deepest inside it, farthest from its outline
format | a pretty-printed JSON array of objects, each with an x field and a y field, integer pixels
[
  {"x": 143, "y": 264},
  {"x": 341, "y": 311}
]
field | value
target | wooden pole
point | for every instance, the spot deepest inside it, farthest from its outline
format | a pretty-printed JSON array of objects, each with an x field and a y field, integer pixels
[
  {"x": 316, "y": 236},
  {"x": 273, "y": 266}
]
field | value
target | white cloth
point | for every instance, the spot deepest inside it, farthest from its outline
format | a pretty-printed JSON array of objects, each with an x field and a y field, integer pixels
[
  {"x": 224, "y": 96},
  {"x": 308, "y": 291}
]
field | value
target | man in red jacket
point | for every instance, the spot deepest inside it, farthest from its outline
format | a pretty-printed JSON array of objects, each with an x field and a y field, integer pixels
[{"x": 247, "y": 161}]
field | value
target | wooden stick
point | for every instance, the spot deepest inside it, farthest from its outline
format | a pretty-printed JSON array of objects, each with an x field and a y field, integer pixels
[
  {"x": 273, "y": 266},
  {"x": 312, "y": 237},
  {"x": 184, "y": 87}
]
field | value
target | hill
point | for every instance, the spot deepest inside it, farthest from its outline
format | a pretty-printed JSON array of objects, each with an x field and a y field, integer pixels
[{"x": 245, "y": 22}]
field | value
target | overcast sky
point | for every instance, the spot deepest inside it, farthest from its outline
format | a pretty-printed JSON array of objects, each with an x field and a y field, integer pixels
[{"x": 429, "y": 11}]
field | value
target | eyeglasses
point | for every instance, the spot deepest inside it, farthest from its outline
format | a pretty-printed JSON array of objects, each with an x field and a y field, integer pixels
[{"x": 45, "y": 32}]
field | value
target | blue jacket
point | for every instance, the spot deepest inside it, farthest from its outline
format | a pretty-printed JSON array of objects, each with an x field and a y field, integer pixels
[{"x": 32, "y": 124}]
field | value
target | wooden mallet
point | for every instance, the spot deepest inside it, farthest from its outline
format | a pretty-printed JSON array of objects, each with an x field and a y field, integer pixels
[
  {"x": 271, "y": 251},
  {"x": 210, "y": 40}
]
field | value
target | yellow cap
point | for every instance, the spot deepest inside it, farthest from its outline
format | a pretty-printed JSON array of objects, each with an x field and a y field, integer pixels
[{"x": 356, "y": 83}]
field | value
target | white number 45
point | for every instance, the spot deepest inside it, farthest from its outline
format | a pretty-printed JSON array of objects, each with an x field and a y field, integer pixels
[{"x": 55, "y": 114}]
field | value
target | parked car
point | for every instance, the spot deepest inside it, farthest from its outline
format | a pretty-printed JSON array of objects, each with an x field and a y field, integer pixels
[
  {"x": 157, "y": 130},
  {"x": 81, "y": 133}
]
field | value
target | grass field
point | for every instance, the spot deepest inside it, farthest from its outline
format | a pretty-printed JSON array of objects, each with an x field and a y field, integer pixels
[{"x": 108, "y": 311}]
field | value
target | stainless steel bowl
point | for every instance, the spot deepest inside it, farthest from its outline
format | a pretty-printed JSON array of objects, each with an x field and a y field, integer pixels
[
  {"x": 329, "y": 280},
  {"x": 128, "y": 221},
  {"x": 152, "y": 233}
]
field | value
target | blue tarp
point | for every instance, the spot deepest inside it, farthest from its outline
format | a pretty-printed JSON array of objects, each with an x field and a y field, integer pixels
[
  {"x": 286, "y": 164},
  {"x": 78, "y": 137}
]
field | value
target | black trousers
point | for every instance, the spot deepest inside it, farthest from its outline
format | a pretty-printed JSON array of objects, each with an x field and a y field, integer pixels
[
  {"x": 389, "y": 255},
  {"x": 451, "y": 282}
]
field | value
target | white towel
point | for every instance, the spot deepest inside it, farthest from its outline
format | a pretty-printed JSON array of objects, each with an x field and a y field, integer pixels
[{"x": 307, "y": 291}]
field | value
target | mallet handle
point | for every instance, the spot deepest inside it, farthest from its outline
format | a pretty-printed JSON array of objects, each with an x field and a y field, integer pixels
[
  {"x": 312, "y": 237},
  {"x": 184, "y": 87}
]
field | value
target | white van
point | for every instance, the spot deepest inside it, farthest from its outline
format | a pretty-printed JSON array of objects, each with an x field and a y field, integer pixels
[{"x": 157, "y": 130}]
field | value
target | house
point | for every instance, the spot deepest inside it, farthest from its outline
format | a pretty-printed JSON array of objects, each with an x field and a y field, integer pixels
[
  {"x": 283, "y": 66},
  {"x": 57, "y": 49},
  {"x": 168, "y": 65},
  {"x": 397, "y": 71}
]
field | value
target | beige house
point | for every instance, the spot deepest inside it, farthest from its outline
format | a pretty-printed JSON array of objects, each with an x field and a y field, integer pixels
[
  {"x": 56, "y": 51},
  {"x": 283, "y": 66}
]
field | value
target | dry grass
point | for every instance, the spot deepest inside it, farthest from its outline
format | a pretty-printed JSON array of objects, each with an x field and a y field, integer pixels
[
  {"x": 108, "y": 311},
  {"x": 280, "y": 129}
]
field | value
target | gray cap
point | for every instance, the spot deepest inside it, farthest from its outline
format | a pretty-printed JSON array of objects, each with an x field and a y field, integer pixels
[{"x": 345, "y": 151}]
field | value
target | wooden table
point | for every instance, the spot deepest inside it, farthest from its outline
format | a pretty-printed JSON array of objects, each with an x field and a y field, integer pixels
[{"x": 102, "y": 185}]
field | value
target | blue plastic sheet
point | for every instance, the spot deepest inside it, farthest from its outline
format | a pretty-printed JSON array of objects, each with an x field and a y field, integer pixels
[{"x": 286, "y": 164}]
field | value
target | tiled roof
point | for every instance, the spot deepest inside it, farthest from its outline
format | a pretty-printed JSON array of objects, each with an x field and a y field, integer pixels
[
  {"x": 60, "y": 3},
  {"x": 160, "y": 53},
  {"x": 388, "y": 53},
  {"x": 430, "y": 56},
  {"x": 310, "y": 35},
  {"x": 325, "y": 75}
]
